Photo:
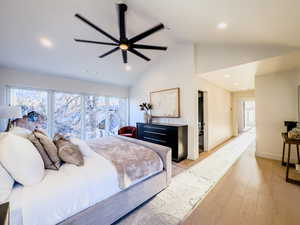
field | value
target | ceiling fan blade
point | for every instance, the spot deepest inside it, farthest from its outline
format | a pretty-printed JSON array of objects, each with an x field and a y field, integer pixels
[
  {"x": 151, "y": 47},
  {"x": 122, "y": 24},
  {"x": 96, "y": 42},
  {"x": 109, "y": 52},
  {"x": 146, "y": 33},
  {"x": 124, "y": 54},
  {"x": 96, "y": 28},
  {"x": 138, "y": 54}
]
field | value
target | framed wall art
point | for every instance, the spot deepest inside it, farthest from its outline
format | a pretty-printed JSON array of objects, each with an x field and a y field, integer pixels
[{"x": 166, "y": 103}]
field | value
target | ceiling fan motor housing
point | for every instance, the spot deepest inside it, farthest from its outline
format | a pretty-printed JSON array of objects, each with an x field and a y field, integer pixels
[{"x": 123, "y": 43}]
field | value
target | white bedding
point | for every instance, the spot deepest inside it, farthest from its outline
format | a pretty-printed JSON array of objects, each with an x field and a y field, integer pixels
[{"x": 64, "y": 193}]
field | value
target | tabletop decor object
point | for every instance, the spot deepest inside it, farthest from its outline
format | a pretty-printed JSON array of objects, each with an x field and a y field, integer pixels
[
  {"x": 10, "y": 112},
  {"x": 146, "y": 107}
]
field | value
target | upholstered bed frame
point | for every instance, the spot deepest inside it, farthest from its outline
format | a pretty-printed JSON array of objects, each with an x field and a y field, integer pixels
[{"x": 112, "y": 209}]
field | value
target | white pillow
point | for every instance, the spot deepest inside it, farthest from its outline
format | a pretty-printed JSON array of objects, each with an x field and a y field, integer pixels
[
  {"x": 20, "y": 158},
  {"x": 83, "y": 147},
  {"x": 22, "y": 132},
  {"x": 6, "y": 184}
]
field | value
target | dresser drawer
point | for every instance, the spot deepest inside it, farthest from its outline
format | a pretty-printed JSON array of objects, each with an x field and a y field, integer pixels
[
  {"x": 170, "y": 136},
  {"x": 154, "y": 134},
  {"x": 159, "y": 129},
  {"x": 154, "y": 128},
  {"x": 155, "y": 140}
]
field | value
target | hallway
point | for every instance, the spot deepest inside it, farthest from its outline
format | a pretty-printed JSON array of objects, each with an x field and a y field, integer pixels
[{"x": 253, "y": 192}]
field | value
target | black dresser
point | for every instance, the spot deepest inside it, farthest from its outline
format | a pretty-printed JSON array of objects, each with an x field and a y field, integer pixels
[
  {"x": 4, "y": 214},
  {"x": 171, "y": 135}
]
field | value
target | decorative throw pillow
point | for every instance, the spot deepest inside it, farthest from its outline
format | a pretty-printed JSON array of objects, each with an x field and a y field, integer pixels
[
  {"x": 20, "y": 158},
  {"x": 22, "y": 132},
  {"x": 83, "y": 147},
  {"x": 47, "y": 161},
  {"x": 6, "y": 184},
  {"x": 49, "y": 147},
  {"x": 39, "y": 131},
  {"x": 67, "y": 151}
]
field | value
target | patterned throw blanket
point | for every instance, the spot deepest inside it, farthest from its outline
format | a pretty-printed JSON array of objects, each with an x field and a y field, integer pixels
[{"x": 133, "y": 162}]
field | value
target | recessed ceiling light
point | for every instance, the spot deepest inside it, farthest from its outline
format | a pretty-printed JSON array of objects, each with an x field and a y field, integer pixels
[
  {"x": 222, "y": 26},
  {"x": 128, "y": 67},
  {"x": 235, "y": 84},
  {"x": 227, "y": 76},
  {"x": 46, "y": 42}
]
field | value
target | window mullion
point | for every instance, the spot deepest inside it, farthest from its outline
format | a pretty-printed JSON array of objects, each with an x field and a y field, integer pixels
[
  {"x": 82, "y": 103},
  {"x": 51, "y": 112},
  {"x": 7, "y": 100}
]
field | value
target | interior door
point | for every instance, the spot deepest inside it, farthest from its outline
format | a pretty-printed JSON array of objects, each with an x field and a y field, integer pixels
[{"x": 201, "y": 123}]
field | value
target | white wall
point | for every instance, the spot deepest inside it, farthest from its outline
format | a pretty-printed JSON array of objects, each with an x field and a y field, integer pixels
[
  {"x": 219, "y": 116},
  {"x": 26, "y": 79},
  {"x": 276, "y": 102},
  {"x": 237, "y": 112},
  {"x": 177, "y": 69},
  {"x": 42, "y": 81}
]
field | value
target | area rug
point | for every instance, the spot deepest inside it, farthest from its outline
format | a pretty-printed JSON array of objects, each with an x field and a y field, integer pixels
[{"x": 189, "y": 187}]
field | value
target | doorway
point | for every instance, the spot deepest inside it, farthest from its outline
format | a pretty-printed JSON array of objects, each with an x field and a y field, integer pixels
[
  {"x": 246, "y": 117},
  {"x": 201, "y": 120},
  {"x": 249, "y": 114}
]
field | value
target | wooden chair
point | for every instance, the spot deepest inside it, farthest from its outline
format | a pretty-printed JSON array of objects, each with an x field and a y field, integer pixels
[{"x": 290, "y": 142}]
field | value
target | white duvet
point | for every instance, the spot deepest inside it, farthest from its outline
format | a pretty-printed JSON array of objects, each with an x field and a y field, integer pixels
[{"x": 64, "y": 193}]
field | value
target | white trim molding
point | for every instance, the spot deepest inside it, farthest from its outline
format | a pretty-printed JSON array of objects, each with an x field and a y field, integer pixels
[{"x": 268, "y": 155}]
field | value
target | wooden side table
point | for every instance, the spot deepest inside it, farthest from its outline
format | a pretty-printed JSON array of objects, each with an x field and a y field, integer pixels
[
  {"x": 290, "y": 142},
  {"x": 4, "y": 214}
]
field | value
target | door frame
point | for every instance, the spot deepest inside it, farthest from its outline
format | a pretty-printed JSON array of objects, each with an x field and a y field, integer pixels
[{"x": 205, "y": 119}]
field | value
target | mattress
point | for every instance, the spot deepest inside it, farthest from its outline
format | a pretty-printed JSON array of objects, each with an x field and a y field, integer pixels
[
  {"x": 66, "y": 192},
  {"x": 63, "y": 193},
  {"x": 132, "y": 161}
]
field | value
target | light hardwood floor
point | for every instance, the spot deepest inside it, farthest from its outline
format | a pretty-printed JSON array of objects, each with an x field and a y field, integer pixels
[
  {"x": 185, "y": 164},
  {"x": 253, "y": 192}
]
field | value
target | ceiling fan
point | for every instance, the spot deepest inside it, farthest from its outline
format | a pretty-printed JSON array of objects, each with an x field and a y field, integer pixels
[{"x": 123, "y": 43}]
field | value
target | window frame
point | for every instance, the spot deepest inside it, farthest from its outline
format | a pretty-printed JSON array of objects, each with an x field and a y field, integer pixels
[{"x": 51, "y": 105}]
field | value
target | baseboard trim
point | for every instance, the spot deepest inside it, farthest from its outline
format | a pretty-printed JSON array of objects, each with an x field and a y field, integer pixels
[
  {"x": 222, "y": 143},
  {"x": 268, "y": 155}
]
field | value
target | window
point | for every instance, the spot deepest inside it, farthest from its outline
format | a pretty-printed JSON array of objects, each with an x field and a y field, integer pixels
[
  {"x": 249, "y": 114},
  {"x": 34, "y": 105},
  {"x": 95, "y": 114},
  {"x": 67, "y": 114},
  {"x": 104, "y": 116},
  {"x": 116, "y": 115},
  {"x": 73, "y": 115}
]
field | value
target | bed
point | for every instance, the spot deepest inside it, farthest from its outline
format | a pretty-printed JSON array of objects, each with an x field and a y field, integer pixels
[{"x": 100, "y": 192}]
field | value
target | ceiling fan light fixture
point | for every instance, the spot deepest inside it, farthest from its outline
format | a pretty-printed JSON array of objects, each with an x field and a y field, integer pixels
[
  {"x": 127, "y": 67},
  {"x": 46, "y": 42},
  {"x": 222, "y": 26},
  {"x": 123, "y": 47},
  {"x": 123, "y": 43}
]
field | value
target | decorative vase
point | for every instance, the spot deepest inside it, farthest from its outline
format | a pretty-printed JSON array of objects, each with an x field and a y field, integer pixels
[
  {"x": 145, "y": 117},
  {"x": 149, "y": 118}
]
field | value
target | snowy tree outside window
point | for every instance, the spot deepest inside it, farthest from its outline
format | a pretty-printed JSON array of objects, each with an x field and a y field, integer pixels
[
  {"x": 74, "y": 115},
  {"x": 116, "y": 114},
  {"x": 94, "y": 117},
  {"x": 104, "y": 116},
  {"x": 67, "y": 114},
  {"x": 32, "y": 101}
]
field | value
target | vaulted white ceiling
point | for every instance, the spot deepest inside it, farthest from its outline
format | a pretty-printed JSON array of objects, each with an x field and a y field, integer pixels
[
  {"x": 22, "y": 23},
  {"x": 242, "y": 77}
]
